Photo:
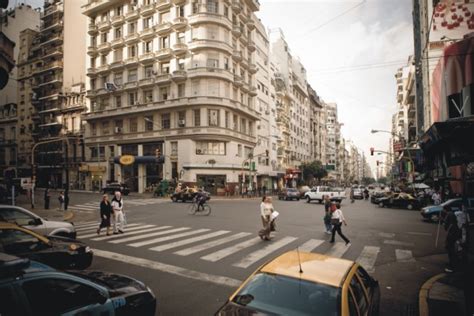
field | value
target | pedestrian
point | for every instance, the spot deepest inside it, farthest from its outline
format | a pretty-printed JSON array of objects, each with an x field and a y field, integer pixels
[
  {"x": 119, "y": 217},
  {"x": 327, "y": 214},
  {"x": 266, "y": 210},
  {"x": 236, "y": 190},
  {"x": 264, "y": 190},
  {"x": 453, "y": 234},
  {"x": 227, "y": 190},
  {"x": 436, "y": 197},
  {"x": 105, "y": 213},
  {"x": 47, "y": 197},
  {"x": 61, "y": 201},
  {"x": 337, "y": 219}
]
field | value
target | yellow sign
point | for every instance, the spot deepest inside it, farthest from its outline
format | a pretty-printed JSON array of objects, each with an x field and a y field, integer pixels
[{"x": 127, "y": 160}]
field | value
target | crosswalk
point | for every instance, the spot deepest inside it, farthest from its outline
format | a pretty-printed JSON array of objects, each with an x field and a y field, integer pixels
[
  {"x": 94, "y": 206},
  {"x": 216, "y": 245}
]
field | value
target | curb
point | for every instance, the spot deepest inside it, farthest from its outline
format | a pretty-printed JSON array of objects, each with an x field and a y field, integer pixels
[
  {"x": 423, "y": 295},
  {"x": 68, "y": 216}
]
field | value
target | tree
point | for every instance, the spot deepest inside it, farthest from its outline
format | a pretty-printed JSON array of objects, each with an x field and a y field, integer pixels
[
  {"x": 367, "y": 181},
  {"x": 313, "y": 170}
]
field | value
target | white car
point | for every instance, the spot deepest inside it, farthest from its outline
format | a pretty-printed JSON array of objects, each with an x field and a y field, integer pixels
[
  {"x": 318, "y": 193},
  {"x": 23, "y": 217}
]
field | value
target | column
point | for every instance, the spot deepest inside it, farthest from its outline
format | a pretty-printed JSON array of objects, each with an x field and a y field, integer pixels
[
  {"x": 141, "y": 172},
  {"x": 118, "y": 169}
]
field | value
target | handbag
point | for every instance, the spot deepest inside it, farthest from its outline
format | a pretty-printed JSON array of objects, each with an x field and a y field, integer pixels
[{"x": 334, "y": 221}]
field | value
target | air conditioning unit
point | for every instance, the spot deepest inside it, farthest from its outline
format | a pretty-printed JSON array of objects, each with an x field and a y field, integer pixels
[
  {"x": 258, "y": 126},
  {"x": 181, "y": 123},
  {"x": 118, "y": 130},
  {"x": 198, "y": 151}
]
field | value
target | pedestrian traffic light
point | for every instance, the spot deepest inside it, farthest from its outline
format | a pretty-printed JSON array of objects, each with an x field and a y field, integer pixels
[
  {"x": 158, "y": 153},
  {"x": 371, "y": 151}
]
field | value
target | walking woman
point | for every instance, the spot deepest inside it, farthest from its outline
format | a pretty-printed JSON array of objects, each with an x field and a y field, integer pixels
[
  {"x": 119, "y": 218},
  {"x": 105, "y": 213},
  {"x": 337, "y": 219},
  {"x": 266, "y": 210}
]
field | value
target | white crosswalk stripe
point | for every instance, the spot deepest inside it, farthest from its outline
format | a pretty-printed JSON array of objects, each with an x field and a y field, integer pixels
[
  {"x": 93, "y": 228},
  {"x": 208, "y": 245},
  {"x": 127, "y": 230},
  {"x": 189, "y": 241},
  {"x": 95, "y": 206},
  {"x": 218, "y": 255},
  {"x": 96, "y": 223},
  {"x": 141, "y": 231},
  {"x": 261, "y": 253},
  {"x": 404, "y": 255},
  {"x": 338, "y": 250},
  {"x": 148, "y": 235},
  {"x": 161, "y": 239},
  {"x": 368, "y": 256},
  {"x": 310, "y": 245}
]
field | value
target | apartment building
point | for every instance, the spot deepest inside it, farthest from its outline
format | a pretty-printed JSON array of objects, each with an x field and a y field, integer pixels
[
  {"x": 174, "y": 76},
  {"x": 12, "y": 22},
  {"x": 332, "y": 141},
  {"x": 317, "y": 126}
]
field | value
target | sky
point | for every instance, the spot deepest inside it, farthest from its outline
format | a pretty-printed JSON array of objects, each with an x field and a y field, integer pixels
[{"x": 351, "y": 51}]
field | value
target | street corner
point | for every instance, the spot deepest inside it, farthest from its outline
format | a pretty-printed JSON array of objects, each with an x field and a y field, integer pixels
[
  {"x": 68, "y": 216},
  {"x": 442, "y": 294}
]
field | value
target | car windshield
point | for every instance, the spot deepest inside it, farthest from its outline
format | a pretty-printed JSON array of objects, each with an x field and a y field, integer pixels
[{"x": 288, "y": 296}]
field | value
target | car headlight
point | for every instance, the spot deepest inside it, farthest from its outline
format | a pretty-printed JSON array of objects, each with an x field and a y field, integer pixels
[
  {"x": 87, "y": 249},
  {"x": 73, "y": 247}
]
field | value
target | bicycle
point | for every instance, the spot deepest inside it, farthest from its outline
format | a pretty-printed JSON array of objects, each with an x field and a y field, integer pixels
[{"x": 195, "y": 209}]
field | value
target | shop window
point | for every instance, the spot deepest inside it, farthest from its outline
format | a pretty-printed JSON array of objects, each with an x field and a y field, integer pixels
[{"x": 210, "y": 148}]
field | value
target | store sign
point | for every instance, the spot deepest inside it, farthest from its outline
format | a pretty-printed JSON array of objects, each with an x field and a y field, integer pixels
[{"x": 127, "y": 160}]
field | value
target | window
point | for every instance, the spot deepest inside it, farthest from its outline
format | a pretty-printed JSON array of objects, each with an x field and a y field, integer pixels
[
  {"x": 236, "y": 123},
  {"x": 149, "y": 125},
  {"x": 132, "y": 28},
  {"x": 181, "y": 90},
  {"x": 239, "y": 150},
  {"x": 352, "y": 305},
  {"x": 180, "y": 11},
  {"x": 133, "y": 125},
  {"x": 174, "y": 149},
  {"x": 166, "y": 121},
  {"x": 132, "y": 98},
  {"x": 210, "y": 148},
  {"x": 103, "y": 60},
  {"x": 212, "y": 6},
  {"x": 118, "y": 55},
  {"x": 132, "y": 51},
  {"x": 227, "y": 119},
  {"x": 181, "y": 38},
  {"x": 58, "y": 296},
  {"x": 164, "y": 42},
  {"x": 165, "y": 68},
  {"x": 118, "y": 11},
  {"x": 94, "y": 129},
  {"x": 149, "y": 71},
  {"x": 148, "y": 47},
  {"x": 359, "y": 295},
  {"x": 197, "y": 117},
  {"x": 181, "y": 118},
  {"x": 148, "y": 95},
  {"x": 118, "y": 124},
  {"x": 148, "y": 22},
  {"x": 118, "y": 32},
  {"x": 132, "y": 75},
  {"x": 181, "y": 64},
  {"x": 13, "y": 215},
  {"x": 366, "y": 280},
  {"x": 243, "y": 126},
  {"x": 103, "y": 38},
  {"x": 164, "y": 93},
  {"x": 105, "y": 128},
  {"x": 213, "y": 117},
  {"x": 226, "y": 63}
]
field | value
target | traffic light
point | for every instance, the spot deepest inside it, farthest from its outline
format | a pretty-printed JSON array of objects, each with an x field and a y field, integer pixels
[
  {"x": 158, "y": 153},
  {"x": 267, "y": 153},
  {"x": 371, "y": 151}
]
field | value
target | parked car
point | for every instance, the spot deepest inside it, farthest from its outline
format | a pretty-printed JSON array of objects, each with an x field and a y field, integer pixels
[
  {"x": 358, "y": 194},
  {"x": 31, "y": 221},
  {"x": 377, "y": 195},
  {"x": 306, "y": 284},
  {"x": 432, "y": 212},
  {"x": 57, "y": 252},
  {"x": 30, "y": 288},
  {"x": 399, "y": 200},
  {"x": 318, "y": 193},
  {"x": 289, "y": 194},
  {"x": 113, "y": 187},
  {"x": 187, "y": 195}
]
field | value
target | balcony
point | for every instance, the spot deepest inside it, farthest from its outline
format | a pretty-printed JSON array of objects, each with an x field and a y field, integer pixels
[
  {"x": 116, "y": 65},
  {"x": 91, "y": 72},
  {"x": 236, "y": 31},
  {"x": 251, "y": 24},
  {"x": 244, "y": 64},
  {"x": 179, "y": 22},
  {"x": 147, "y": 33},
  {"x": 237, "y": 55},
  {"x": 55, "y": 52},
  {"x": 163, "y": 78},
  {"x": 238, "y": 81},
  {"x": 208, "y": 17},
  {"x": 117, "y": 20},
  {"x": 51, "y": 81},
  {"x": 145, "y": 82},
  {"x": 53, "y": 38},
  {"x": 148, "y": 9},
  {"x": 51, "y": 26},
  {"x": 50, "y": 95},
  {"x": 50, "y": 66},
  {"x": 180, "y": 48},
  {"x": 50, "y": 10},
  {"x": 117, "y": 42},
  {"x": 163, "y": 28},
  {"x": 253, "y": 91},
  {"x": 254, "y": 5},
  {"x": 252, "y": 47},
  {"x": 209, "y": 72},
  {"x": 131, "y": 38},
  {"x": 132, "y": 15},
  {"x": 147, "y": 58},
  {"x": 177, "y": 2},
  {"x": 198, "y": 44},
  {"x": 102, "y": 68},
  {"x": 253, "y": 68},
  {"x": 163, "y": 4},
  {"x": 164, "y": 53},
  {"x": 179, "y": 75},
  {"x": 131, "y": 61},
  {"x": 103, "y": 25},
  {"x": 236, "y": 7},
  {"x": 103, "y": 47},
  {"x": 130, "y": 85}
]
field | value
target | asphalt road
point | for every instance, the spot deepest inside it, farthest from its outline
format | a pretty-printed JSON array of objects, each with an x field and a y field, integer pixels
[{"x": 193, "y": 263}]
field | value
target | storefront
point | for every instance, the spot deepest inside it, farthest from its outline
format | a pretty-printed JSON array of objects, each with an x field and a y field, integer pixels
[{"x": 215, "y": 184}]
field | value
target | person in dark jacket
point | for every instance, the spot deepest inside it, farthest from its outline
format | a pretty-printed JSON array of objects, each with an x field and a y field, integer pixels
[
  {"x": 47, "y": 197},
  {"x": 105, "y": 213},
  {"x": 453, "y": 234}
]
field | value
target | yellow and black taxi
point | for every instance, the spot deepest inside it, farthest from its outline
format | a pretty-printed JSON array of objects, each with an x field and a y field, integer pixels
[
  {"x": 55, "y": 251},
  {"x": 30, "y": 288},
  {"x": 301, "y": 283}
]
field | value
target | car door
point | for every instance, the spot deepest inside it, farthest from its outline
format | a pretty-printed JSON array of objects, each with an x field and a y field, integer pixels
[{"x": 54, "y": 295}]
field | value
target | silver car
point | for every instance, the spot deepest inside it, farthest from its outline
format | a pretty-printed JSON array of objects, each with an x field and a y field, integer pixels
[{"x": 23, "y": 217}]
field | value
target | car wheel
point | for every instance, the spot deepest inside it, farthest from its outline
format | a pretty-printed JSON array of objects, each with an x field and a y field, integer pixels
[
  {"x": 308, "y": 199},
  {"x": 381, "y": 204},
  {"x": 174, "y": 199},
  {"x": 410, "y": 206}
]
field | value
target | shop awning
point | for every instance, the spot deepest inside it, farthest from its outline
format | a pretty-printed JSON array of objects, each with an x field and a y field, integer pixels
[{"x": 143, "y": 160}]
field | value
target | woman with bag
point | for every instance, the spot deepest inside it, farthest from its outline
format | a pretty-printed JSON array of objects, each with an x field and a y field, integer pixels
[
  {"x": 105, "y": 213},
  {"x": 337, "y": 219},
  {"x": 266, "y": 210}
]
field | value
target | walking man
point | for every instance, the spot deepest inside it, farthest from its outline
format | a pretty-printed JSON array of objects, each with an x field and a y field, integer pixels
[
  {"x": 61, "y": 201},
  {"x": 119, "y": 218},
  {"x": 47, "y": 197},
  {"x": 327, "y": 214},
  {"x": 337, "y": 219}
]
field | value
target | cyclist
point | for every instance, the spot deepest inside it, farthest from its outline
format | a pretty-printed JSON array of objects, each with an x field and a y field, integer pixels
[{"x": 201, "y": 198}]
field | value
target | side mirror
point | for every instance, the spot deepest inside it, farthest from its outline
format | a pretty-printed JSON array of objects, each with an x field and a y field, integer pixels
[{"x": 35, "y": 222}]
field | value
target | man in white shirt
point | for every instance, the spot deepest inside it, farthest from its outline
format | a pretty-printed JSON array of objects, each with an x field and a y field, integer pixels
[{"x": 119, "y": 218}]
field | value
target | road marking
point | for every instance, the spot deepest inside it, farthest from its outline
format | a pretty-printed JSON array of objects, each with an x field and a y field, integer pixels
[
  {"x": 404, "y": 255},
  {"x": 387, "y": 235},
  {"x": 157, "y": 240},
  {"x": 84, "y": 223},
  {"x": 127, "y": 230},
  {"x": 201, "y": 247},
  {"x": 189, "y": 240},
  {"x": 367, "y": 257},
  {"x": 310, "y": 245},
  {"x": 155, "y": 265},
  {"x": 83, "y": 208},
  {"x": 398, "y": 243},
  {"x": 420, "y": 233},
  {"x": 131, "y": 233},
  {"x": 338, "y": 250},
  {"x": 149, "y": 235},
  {"x": 218, "y": 255},
  {"x": 77, "y": 227},
  {"x": 261, "y": 253},
  {"x": 93, "y": 228}
]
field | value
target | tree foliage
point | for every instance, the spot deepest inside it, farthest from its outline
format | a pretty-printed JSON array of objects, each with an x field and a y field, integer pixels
[{"x": 312, "y": 171}]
